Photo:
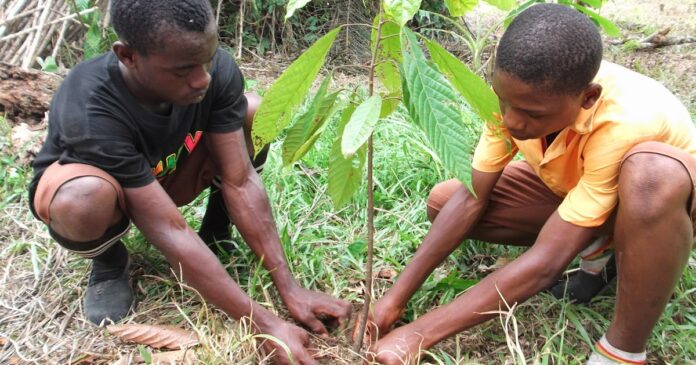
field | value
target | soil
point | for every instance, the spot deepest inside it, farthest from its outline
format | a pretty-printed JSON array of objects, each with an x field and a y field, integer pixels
[{"x": 25, "y": 95}]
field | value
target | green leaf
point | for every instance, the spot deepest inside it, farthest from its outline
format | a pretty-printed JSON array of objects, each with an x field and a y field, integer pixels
[
  {"x": 593, "y": 3},
  {"x": 361, "y": 125},
  {"x": 516, "y": 11},
  {"x": 345, "y": 174},
  {"x": 294, "y": 5},
  {"x": 92, "y": 44},
  {"x": 476, "y": 91},
  {"x": 302, "y": 135},
  {"x": 286, "y": 93},
  {"x": 49, "y": 64},
  {"x": 357, "y": 248},
  {"x": 502, "y": 4},
  {"x": 437, "y": 111},
  {"x": 145, "y": 354},
  {"x": 388, "y": 56},
  {"x": 460, "y": 7},
  {"x": 401, "y": 11},
  {"x": 607, "y": 26}
]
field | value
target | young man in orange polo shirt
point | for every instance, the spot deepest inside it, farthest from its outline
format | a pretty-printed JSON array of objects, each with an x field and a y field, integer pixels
[{"x": 608, "y": 153}]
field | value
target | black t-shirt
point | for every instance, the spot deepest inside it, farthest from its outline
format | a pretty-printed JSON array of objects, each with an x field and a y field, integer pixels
[{"x": 95, "y": 120}]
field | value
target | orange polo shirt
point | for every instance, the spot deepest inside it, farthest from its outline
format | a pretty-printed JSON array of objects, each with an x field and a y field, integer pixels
[{"x": 582, "y": 163}]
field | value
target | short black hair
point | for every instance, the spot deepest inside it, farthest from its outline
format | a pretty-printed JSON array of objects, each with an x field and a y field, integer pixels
[
  {"x": 138, "y": 22},
  {"x": 553, "y": 46}
]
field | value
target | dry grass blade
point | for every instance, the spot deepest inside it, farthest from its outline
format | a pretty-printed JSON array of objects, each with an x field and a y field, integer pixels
[{"x": 155, "y": 336}]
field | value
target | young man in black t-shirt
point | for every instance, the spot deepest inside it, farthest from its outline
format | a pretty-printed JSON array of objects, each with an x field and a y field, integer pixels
[{"x": 143, "y": 129}]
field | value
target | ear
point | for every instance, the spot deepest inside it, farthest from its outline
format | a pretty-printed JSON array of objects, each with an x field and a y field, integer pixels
[
  {"x": 590, "y": 95},
  {"x": 127, "y": 55}
]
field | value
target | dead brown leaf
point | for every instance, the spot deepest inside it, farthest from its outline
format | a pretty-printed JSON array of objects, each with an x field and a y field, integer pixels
[
  {"x": 3, "y": 341},
  {"x": 155, "y": 336},
  {"x": 387, "y": 273},
  {"x": 499, "y": 264}
]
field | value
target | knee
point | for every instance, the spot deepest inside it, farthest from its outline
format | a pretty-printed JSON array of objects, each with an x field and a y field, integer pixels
[
  {"x": 651, "y": 185},
  {"x": 84, "y": 208},
  {"x": 253, "y": 102},
  {"x": 439, "y": 196}
]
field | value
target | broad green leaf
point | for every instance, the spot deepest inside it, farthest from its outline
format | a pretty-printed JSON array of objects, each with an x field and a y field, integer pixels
[
  {"x": 361, "y": 125},
  {"x": 388, "y": 56},
  {"x": 345, "y": 174},
  {"x": 610, "y": 28},
  {"x": 502, "y": 4},
  {"x": 358, "y": 248},
  {"x": 294, "y": 5},
  {"x": 593, "y": 3},
  {"x": 460, "y": 7},
  {"x": 286, "y": 93},
  {"x": 476, "y": 91},
  {"x": 326, "y": 110},
  {"x": 390, "y": 103},
  {"x": 302, "y": 135},
  {"x": 437, "y": 111},
  {"x": 516, "y": 11},
  {"x": 401, "y": 11}
]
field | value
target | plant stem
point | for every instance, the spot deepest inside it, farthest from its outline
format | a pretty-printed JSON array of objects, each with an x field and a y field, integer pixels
[{"x": 370, "y": 200}]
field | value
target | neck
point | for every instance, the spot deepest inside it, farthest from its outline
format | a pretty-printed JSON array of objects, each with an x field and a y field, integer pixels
[{"x": 140, "y": 94}]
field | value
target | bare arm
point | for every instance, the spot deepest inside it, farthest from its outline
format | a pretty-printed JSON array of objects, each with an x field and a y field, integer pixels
[
  {"x": 154, "y": 213},
  {"x": 558, "y": 243},
  {"x": 535, "y": 270},
  {"x": 248, "y": 205},
  {"x": 453, "y": 223}
]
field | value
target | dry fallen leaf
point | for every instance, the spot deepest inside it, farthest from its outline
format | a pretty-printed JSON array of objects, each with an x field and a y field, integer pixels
[
  {"x": 387, "y": 273},
  {"x": 169, "y": 337},
  {"x": 499, "y": 264},
  {"x": 3, "y": 341}
]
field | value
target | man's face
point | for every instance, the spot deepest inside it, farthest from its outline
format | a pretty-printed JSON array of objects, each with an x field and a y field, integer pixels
[
  {"x": 178, "y": 72},
  {"x": 531, "y": 111}
]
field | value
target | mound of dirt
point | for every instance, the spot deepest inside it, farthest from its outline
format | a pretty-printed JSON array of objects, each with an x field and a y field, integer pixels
[{"x": 25, "y": 95}]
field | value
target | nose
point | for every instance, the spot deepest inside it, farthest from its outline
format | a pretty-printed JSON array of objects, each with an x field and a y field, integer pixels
[
  {"x": 512, "y": 119},
  {"x": 200, "y": 78}
]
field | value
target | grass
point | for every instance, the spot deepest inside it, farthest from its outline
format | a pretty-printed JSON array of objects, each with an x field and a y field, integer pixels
[
  {"x": 42, "y": 322},
  {"x": 42, "y": 285}
]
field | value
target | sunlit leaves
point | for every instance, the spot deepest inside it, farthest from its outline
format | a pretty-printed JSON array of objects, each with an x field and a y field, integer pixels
[
  {"x": 502, "y": 4},
  {"x": 345, "y": 174},
  {"x": 401, "y": 11},
  {"x": 294, "y": 5},
  {"x": 436, "y": 108},
  {"x": 361, "y": 124},
  {"x": 460, "y": 7},
  {"x": 387, "y": 60},
  {"x": 283, "y": 97},
  {"x": 476, "y": 91},
  {"x": 302, "y": 135},
  {"x": 607, "y": 26}
]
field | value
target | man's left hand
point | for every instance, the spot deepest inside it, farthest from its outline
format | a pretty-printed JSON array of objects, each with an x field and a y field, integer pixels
[{"x": 311, "y": 308}]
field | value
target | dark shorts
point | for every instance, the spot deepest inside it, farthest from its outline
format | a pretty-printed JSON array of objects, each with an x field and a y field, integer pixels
[{"x": 521, "y": 203}]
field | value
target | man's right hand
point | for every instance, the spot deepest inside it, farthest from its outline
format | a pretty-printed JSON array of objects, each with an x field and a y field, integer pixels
[
  {"x": 380, "y": 321},
  {"x": 295, "y": 338}
]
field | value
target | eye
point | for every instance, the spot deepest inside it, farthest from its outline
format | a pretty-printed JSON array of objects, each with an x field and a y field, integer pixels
[
  {"x": 535, "y": 115},
  {"x": 181, "y": 72}
]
